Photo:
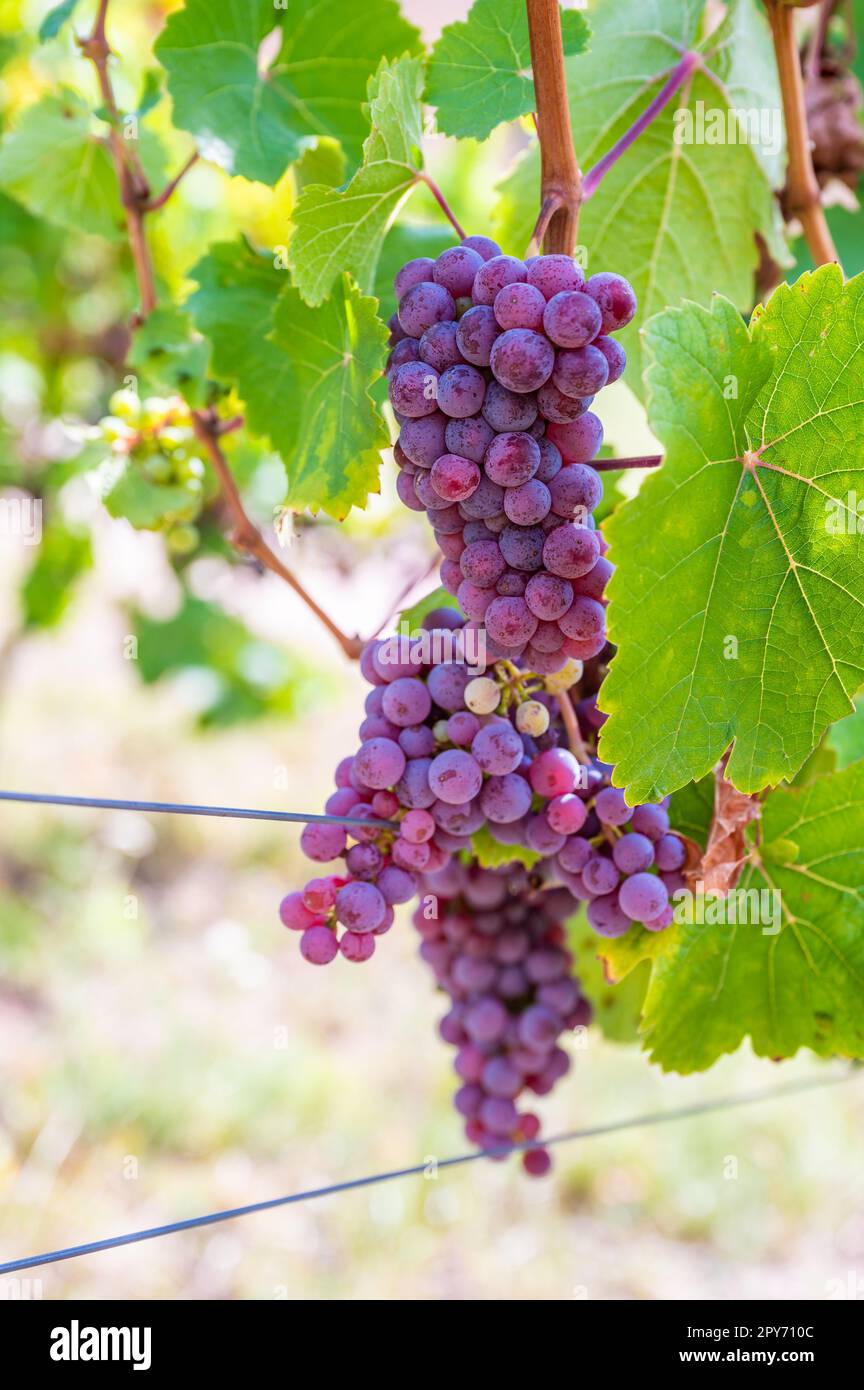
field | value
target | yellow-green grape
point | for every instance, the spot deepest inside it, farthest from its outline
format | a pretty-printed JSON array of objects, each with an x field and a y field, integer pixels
[
  {"x": 532, "y": 718},
  {"x": 559, "y": 681},
  {"x": 191, "y": 468},
  {"x": 173, "y": 438},
  {"x": 482, "y": 695},
  {"x": 440, "y": 731},
  {"x": 114, "y": 430},
  {"x": 182, "y": 539},
  {"x": 126, "y": 404},
  {"x": 153, "y": 410},
  {"x": 158, "y": 468}
]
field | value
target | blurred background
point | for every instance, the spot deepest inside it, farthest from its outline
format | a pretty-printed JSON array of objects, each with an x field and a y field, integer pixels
[{"x": 165, "y": 1051}]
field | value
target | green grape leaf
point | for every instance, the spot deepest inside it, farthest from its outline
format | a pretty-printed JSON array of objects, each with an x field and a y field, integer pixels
[
  {"x": 170, "y": 356},
  {"x": 127, "y": 493},
  {"x": 151, "y": 91},
  {"x": 677, "y": 218},
  {"x": 691, "y": 809},
  {"x": 413, "y": 616},
  {"x": 253, "y": 113},
  {"x": 248, "y": 678},
  {"x": 480, "y": 68},
  {"x": 489, "y": 854},
  {"x": 55, "y": 19},
  {"x": 64, "y": 555},
  {"x": 53, "y": 163},
  {"x": 847, "y": 738},
  {"x": 791, "y": 982},
  {"x": 323, "y": 162},
  {"x": 616, "y": 1008},
  {"x": 738, "y": 603},
  {"x": 336, "y": 230},
  {"x": 328, "y": 430},
  {"x": 233, "y": 307},
  {"x": 304, "y": 374}
]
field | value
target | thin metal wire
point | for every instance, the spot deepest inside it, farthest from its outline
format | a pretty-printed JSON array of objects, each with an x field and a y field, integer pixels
[
  {"x": 170, "y": 807},
  {"x": 615, "y": 1127}
]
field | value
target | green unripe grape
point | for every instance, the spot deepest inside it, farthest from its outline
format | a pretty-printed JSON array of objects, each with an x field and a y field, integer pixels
[
  {"x": 189, "y": 467},
  {"x": 182, "y": 539},
  {"x": 153, "y": 410},
  {"x": 127, "y": 404},
  {"x": 173, "y": 438},
  {"x": 158, "y": 469},
  {"x": 440, "y": 731},
  {"x": 532, "y": 718},
  {"x": 193, "y": 486},
  {"x": 482, "y": 695},
  {"x": 114, "y": 429}
]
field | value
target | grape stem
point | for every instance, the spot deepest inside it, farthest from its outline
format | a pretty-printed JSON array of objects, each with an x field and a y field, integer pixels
[
  {"x": 571, "y": 725},
  {"x": 134, "y": 188},
  {"x": 247, "y": 538},
  {"x": 154, "y": 204},
  {"x": 560, "y": 176},
  {"x": 610, "y": 465},
  {"x": 442, "y": 203},
  {"x": 803, "y": 197},
  {"x": 678, "y": 76}
]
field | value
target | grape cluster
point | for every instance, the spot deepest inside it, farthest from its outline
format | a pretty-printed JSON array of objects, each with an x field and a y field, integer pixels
[
  {"x": 498, "y": 949},
  {"x": 156, "y": 435},
  {"x": 494, "y": 365}
]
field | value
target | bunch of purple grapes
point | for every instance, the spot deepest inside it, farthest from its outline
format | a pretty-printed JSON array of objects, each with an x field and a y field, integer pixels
[
  {"x": 443, "y": 755},
  {"x": 494, "y": 366},
  {"x": 498, "y": 949}
]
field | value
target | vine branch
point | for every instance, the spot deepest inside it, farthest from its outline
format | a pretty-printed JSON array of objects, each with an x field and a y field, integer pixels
[
  {"x": 560, "y": 176},
  {"x": 246, "y": 536},
  {"x": 154, "y": 204},
  {"x": 803, "y": 197}
]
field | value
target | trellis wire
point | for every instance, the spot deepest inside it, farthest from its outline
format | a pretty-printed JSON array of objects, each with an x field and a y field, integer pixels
[
  {"x": 170, "y": 807},
  {"x": 615, "y": 1127}
]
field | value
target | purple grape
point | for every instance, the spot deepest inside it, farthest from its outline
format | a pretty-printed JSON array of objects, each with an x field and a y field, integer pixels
[
  {"x": 406, "y": 701},
  {"x": 633, "y": 853},
  {"x": 511, "y": 584},
  {"x": 412, "y": 273},
  {"x": 455, "y": 777},
  {"x": 519, "y": 305},
  {"x": 406, "y": 350},
  {"x": 507, "y": 410},
  {"x": 585, "y": 620},
  {"x": 456, "y": 268},
  {"x": 413, "y": 389},
  {"x": 540, "y": 837},
  {"x": 461, "y": 391},
  {"x": 446, "y": 684},
  {"x": 497, "y": 748},
  {"x": 482, "y": 563},
  {"x": 615, "y": 356},
  {"x": 424, "y": 304},
  {"x": 575, "y": 854},
  {"x": 423, "y": 439},
  {"x": 570, "y": 550},
  {"x": 612, "y": 808},
  {"x": 615, "y": 299},
  {"x": 510, "y": 621},
  {"x": 643, "y": 897},
  {"x": 438, "y": 346},
  {"x": 357, "y": 948},
  {"x": 413, "y": 787},
  {"x": 485, "y": 1021},
  {"x": 651, "y": 820},
  {"x": 512, "y": 459},
  {"x": 485, "y": 503},
  {"x": 548, "y": 596},
  {"x": 571, "y": 319},
  {"x": 550, "y": 461},
  {"x": 538, "y": 1028},
  {"x": 455, "y": 478},
  {"x": 294, "y": 914},
  {"x": 669, "y": 853},
  {"x": 548, "y": 638},
  {"x": 528, "y": 504},
  {"x": 576, "y": 488},
  {"x": 474, "y": 601},
  {"x": 476, "y": 335},
  {"x": 505, "y": 799},
  {"x": 462, "y": 728},
  {"x": 553, "y": 274},
  {"x": 606, "y": 917},
  {"x": 380, "y": 762},
  {"x": 458, "y": 820},
  {"x": 522, "y": 547},
  {"x": 318, "y": 945},
  {"x": 600, "y": 876},
  {"x": 554, "y": 772},
  {"x": 485, "y": 247},
  {"x": 407, "y": 493},
  {"x": 360, "y": 906},
  {"x": 580, "y": 440},
  {"x": 417, "y": 742},
  {"x": 470, "y": 438},
  {"x": 580, "y": 371},
  {"x": 559, "y": 409},
  {"x": 494, "y": 275},
  {"x": 593, "y": 584},
  {"x": 322, "y": 842},
  {"x": 521, "y": 359},
  {"x": 566, "y": 814}
]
